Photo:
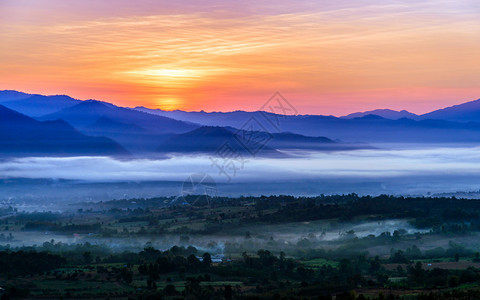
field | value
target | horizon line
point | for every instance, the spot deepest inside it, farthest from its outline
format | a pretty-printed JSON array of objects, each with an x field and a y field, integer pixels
[{"x": 232, "y": 111}]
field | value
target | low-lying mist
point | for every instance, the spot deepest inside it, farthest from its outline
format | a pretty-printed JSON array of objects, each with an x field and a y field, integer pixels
[
  {"x": 292, "y": 238},
  {"x": 374, "y": 171},
  {"x": 273, "y": 237},
  {"x": 371, "y": 163}
]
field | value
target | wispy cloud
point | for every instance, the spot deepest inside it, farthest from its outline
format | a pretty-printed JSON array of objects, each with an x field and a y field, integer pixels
[{"x": 328, "y": 55}]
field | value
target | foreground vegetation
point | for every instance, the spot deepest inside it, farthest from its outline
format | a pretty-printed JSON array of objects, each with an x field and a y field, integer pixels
[{"x": 245, "y": 248}]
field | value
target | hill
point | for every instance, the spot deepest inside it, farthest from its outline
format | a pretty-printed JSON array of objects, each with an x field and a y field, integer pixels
[
  {"x": 35, "y": 105},
  {"x": 21, "y": 135},
  {"x": 88, "y": 112},
  {"x": 384, "y": 113},
  {"x": 465, "y": 112}
]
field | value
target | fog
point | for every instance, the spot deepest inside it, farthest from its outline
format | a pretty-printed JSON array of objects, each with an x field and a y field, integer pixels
[
  {"x": 307, "y": 165},
  {"x": 288, "y": 237},
  {"x": 375, "y": 171},
  {"x": 275, "y": 237}
]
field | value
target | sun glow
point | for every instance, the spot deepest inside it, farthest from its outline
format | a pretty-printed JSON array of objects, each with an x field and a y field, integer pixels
[
  {"x": 169, "y": 73},
  {"x": 177, "y": 79},
  {"x": 169, "y": 103},
  {"x": 331, "y": 57}
]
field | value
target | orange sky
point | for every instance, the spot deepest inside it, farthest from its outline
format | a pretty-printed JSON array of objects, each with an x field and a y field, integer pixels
[{"x": 326, "y": 57}]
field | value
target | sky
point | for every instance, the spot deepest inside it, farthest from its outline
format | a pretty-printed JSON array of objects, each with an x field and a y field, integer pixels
[{"x": 325, "y": 56}]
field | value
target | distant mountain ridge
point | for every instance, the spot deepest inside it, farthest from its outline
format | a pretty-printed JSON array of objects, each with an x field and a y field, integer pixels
[
  {"x": 234, "y": 119},
  {"x": 88, "y": 112},
  {"x": 145, "y": 132},
  {"x": 35, "y": 105},
  {"x": 11, "y": 95},
  {"x": 21, "y": 135},
  {"x": 385, "y": 113},
  {"x": 210, "y": 139},
  {"x": 134, "y": 138},
  {"x": 465, "y": 112},
  {"x": 137, "y": 131},
  {"x": 369, "y": 128}
]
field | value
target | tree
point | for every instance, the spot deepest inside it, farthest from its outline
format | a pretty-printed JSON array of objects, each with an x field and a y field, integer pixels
[
  {"x": 207, "y": 260},
  {"x": 416, "y": 273},
  {"x": 193, "y": 262},
  {"x": 127, "y": 276},
  {"x": 228, "y": 292},
  {"x": 170, "y": 290},
  {"x": 453, "y": 281},
  {"x": 87, "y": 257},
  {"x": 477, "y": 257}
]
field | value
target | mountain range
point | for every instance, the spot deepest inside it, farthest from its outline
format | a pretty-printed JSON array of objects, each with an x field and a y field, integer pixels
[
  {"x": 385, "y": 113},
  {"x": 21, "y": 135},
  {"x": 386, "y": 126},
  {"x": 138, "y": 132},
  {"x": 61, "y": 125}
]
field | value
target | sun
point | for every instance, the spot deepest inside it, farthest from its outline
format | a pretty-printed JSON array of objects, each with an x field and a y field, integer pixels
[
  {"x": 169, "y": 77},
  {"x": 170, "y": 103},
  {"x": 179, "y": 73}
]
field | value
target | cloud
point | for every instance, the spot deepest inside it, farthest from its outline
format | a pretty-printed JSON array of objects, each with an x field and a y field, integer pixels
[{"x": 233, "y": 56}]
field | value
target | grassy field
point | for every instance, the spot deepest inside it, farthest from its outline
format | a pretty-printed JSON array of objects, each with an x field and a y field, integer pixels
[
  {"x": 78, "y": 287},
  {"x": 320, "y": 262}
]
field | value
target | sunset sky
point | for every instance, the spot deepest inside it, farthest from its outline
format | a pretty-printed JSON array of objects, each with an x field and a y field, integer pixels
[{"x": 326, "y": 57}]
